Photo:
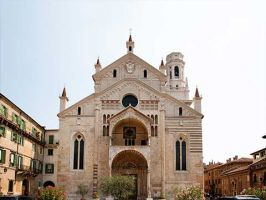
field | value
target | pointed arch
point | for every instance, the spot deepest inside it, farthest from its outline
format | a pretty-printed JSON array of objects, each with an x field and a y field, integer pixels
[
  {"x": 181, "y": 154},
  {"x": 177, "y": 153},
  {"x": 78, "y": 151}
]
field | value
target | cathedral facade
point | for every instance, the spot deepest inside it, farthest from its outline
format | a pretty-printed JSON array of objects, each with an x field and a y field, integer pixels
[{"x": 139, "y": 122}]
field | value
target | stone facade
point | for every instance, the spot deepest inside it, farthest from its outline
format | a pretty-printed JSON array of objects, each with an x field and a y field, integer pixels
[
  {"x": 139, "y": 122},
  {"x": 21, "y": 150}
]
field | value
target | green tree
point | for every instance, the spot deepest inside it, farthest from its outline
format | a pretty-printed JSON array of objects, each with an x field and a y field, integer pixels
[
  {"x": 188, "y": 193},
  {"x": 259, "y": 192},
  {"x": 119, "y": 187},
  {"x": 52, "y": 193}
]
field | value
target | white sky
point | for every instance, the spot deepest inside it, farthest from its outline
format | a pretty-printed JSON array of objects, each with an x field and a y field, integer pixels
[{"x": 46, "y": 44}]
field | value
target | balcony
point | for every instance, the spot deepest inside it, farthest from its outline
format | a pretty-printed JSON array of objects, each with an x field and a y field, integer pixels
[
  {"x": 23, "y": 130},
  {"x": 25, "y": 170}
]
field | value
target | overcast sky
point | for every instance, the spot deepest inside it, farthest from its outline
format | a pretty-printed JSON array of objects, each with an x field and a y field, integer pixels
[{"x": 48, "y": 44}]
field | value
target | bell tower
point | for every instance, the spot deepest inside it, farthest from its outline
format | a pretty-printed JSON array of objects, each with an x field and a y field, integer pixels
[
  {"x": 176, "y": 81},
  {"x": 130, "y": 45}
]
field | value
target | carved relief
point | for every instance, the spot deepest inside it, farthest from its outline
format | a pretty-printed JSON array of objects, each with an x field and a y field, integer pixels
[
  {"x": 127, "y": 86},
  {"x": 130, "y": 67}
]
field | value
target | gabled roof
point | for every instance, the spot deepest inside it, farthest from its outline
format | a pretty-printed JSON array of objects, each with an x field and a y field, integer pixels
[
  {"x": 76, "y": 104},
  {"x": 126, "y": 110},
  {"x": 129, "y": 56},
  {"x": 167, "y": 96}
]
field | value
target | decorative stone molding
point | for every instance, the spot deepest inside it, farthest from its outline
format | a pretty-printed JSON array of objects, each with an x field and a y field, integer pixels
[
  {"x": 115, "y": 150},
  {"x": 130, "y": 113}
]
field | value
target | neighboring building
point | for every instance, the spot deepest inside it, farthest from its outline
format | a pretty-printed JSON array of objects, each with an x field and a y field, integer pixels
[
  {"x": 21, "y": 150},
  {"x": 258, "y": 169},
  {"x": 139, "y": 122},
  {"x": 212, "y": 179},
  {"x": 229, "y": 178},
  {"x": 50, "y": 158}
]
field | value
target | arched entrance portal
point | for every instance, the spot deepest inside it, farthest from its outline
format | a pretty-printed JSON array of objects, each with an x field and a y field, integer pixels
[
  {"x": 25, "y": 187},
  {"x": 48, "y": 183},
  {"x": 132, "y": 163}
]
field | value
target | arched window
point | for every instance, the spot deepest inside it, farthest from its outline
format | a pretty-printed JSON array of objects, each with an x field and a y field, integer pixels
[
  {"x": 79, "y": 110},
  {"x": 114, "y": 73},
  {"x": 156, "y": 131},
  {"x": 130, "y": 48},
  {"x": 181, "y": 155},
  {"x": 176, "y": 71},
  {"x": 145, "y": 73},
  {"x": 104, "y": 131},
  {"x": 104, "y": 119},
  {"x": 156, "y": 119},
  {"x": 184, "y": 156},
  {"x": 152, "y": 131},
  {"x": 177, "y": 153},
  {"x": 180, "y": 111},
  {"x": 78, "y": 157},
  {"x": 107, "y": 132},
  {"x": 152, "y": 117}
]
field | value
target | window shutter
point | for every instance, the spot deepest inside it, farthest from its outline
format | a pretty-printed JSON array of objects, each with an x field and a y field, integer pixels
[
  {"x": 2, "y": 131},
  {"x": 15, "y": 160},
  {"x": 2, "y": 109},
  {"x": 2, "y": 156},
  {"x": 13, "y": 117}
]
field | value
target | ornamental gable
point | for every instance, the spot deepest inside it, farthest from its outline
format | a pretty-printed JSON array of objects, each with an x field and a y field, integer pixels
[{"x": 129, "y": 66}]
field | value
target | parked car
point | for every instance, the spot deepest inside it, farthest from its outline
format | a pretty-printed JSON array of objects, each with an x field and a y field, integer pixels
[
  {"x": 18, "y": 197},
  {"x": 240, "y": 197}
]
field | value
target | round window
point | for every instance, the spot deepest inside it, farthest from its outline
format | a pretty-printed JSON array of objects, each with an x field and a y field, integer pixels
[{"x": 130, "y": 100}]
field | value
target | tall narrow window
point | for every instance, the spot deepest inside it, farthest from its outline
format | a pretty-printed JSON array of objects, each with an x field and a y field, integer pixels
[
  {"x": 78, "y": 157},
  {"x": 180, "y": 111},
  {"x": 81, "y": 154},
  {"x": 152, "y": 131},
  {"x": 145, "y": 73},
  {"x": 75, "y": 164},
  {"x": 156, "y": 131},
  {"x": 177, "y": 149},
  {"x": 130, "y": 48},
  {"x": 51, "y": 139},
  {"x": 79, "y": 110},
  {"x": 104, "y": 131},
  {"x": 184, "y": 156},
  {"x": 114, "y": 73},
  {"x": 176, "y": 71},
  {"x": 181, "y": 155},
  {"x": 2, "y": 156},
  {"x": 107, "y": 133},
  {"x": 156, "y": 119},
  {"x": 10, "y": 185},
  {"x": 104, "y": 119}
]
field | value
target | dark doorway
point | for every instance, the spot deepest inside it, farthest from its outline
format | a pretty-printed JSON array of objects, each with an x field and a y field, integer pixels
[
  {"x": 25, "y": 187},
  {"x": 48, "y": 183}
]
